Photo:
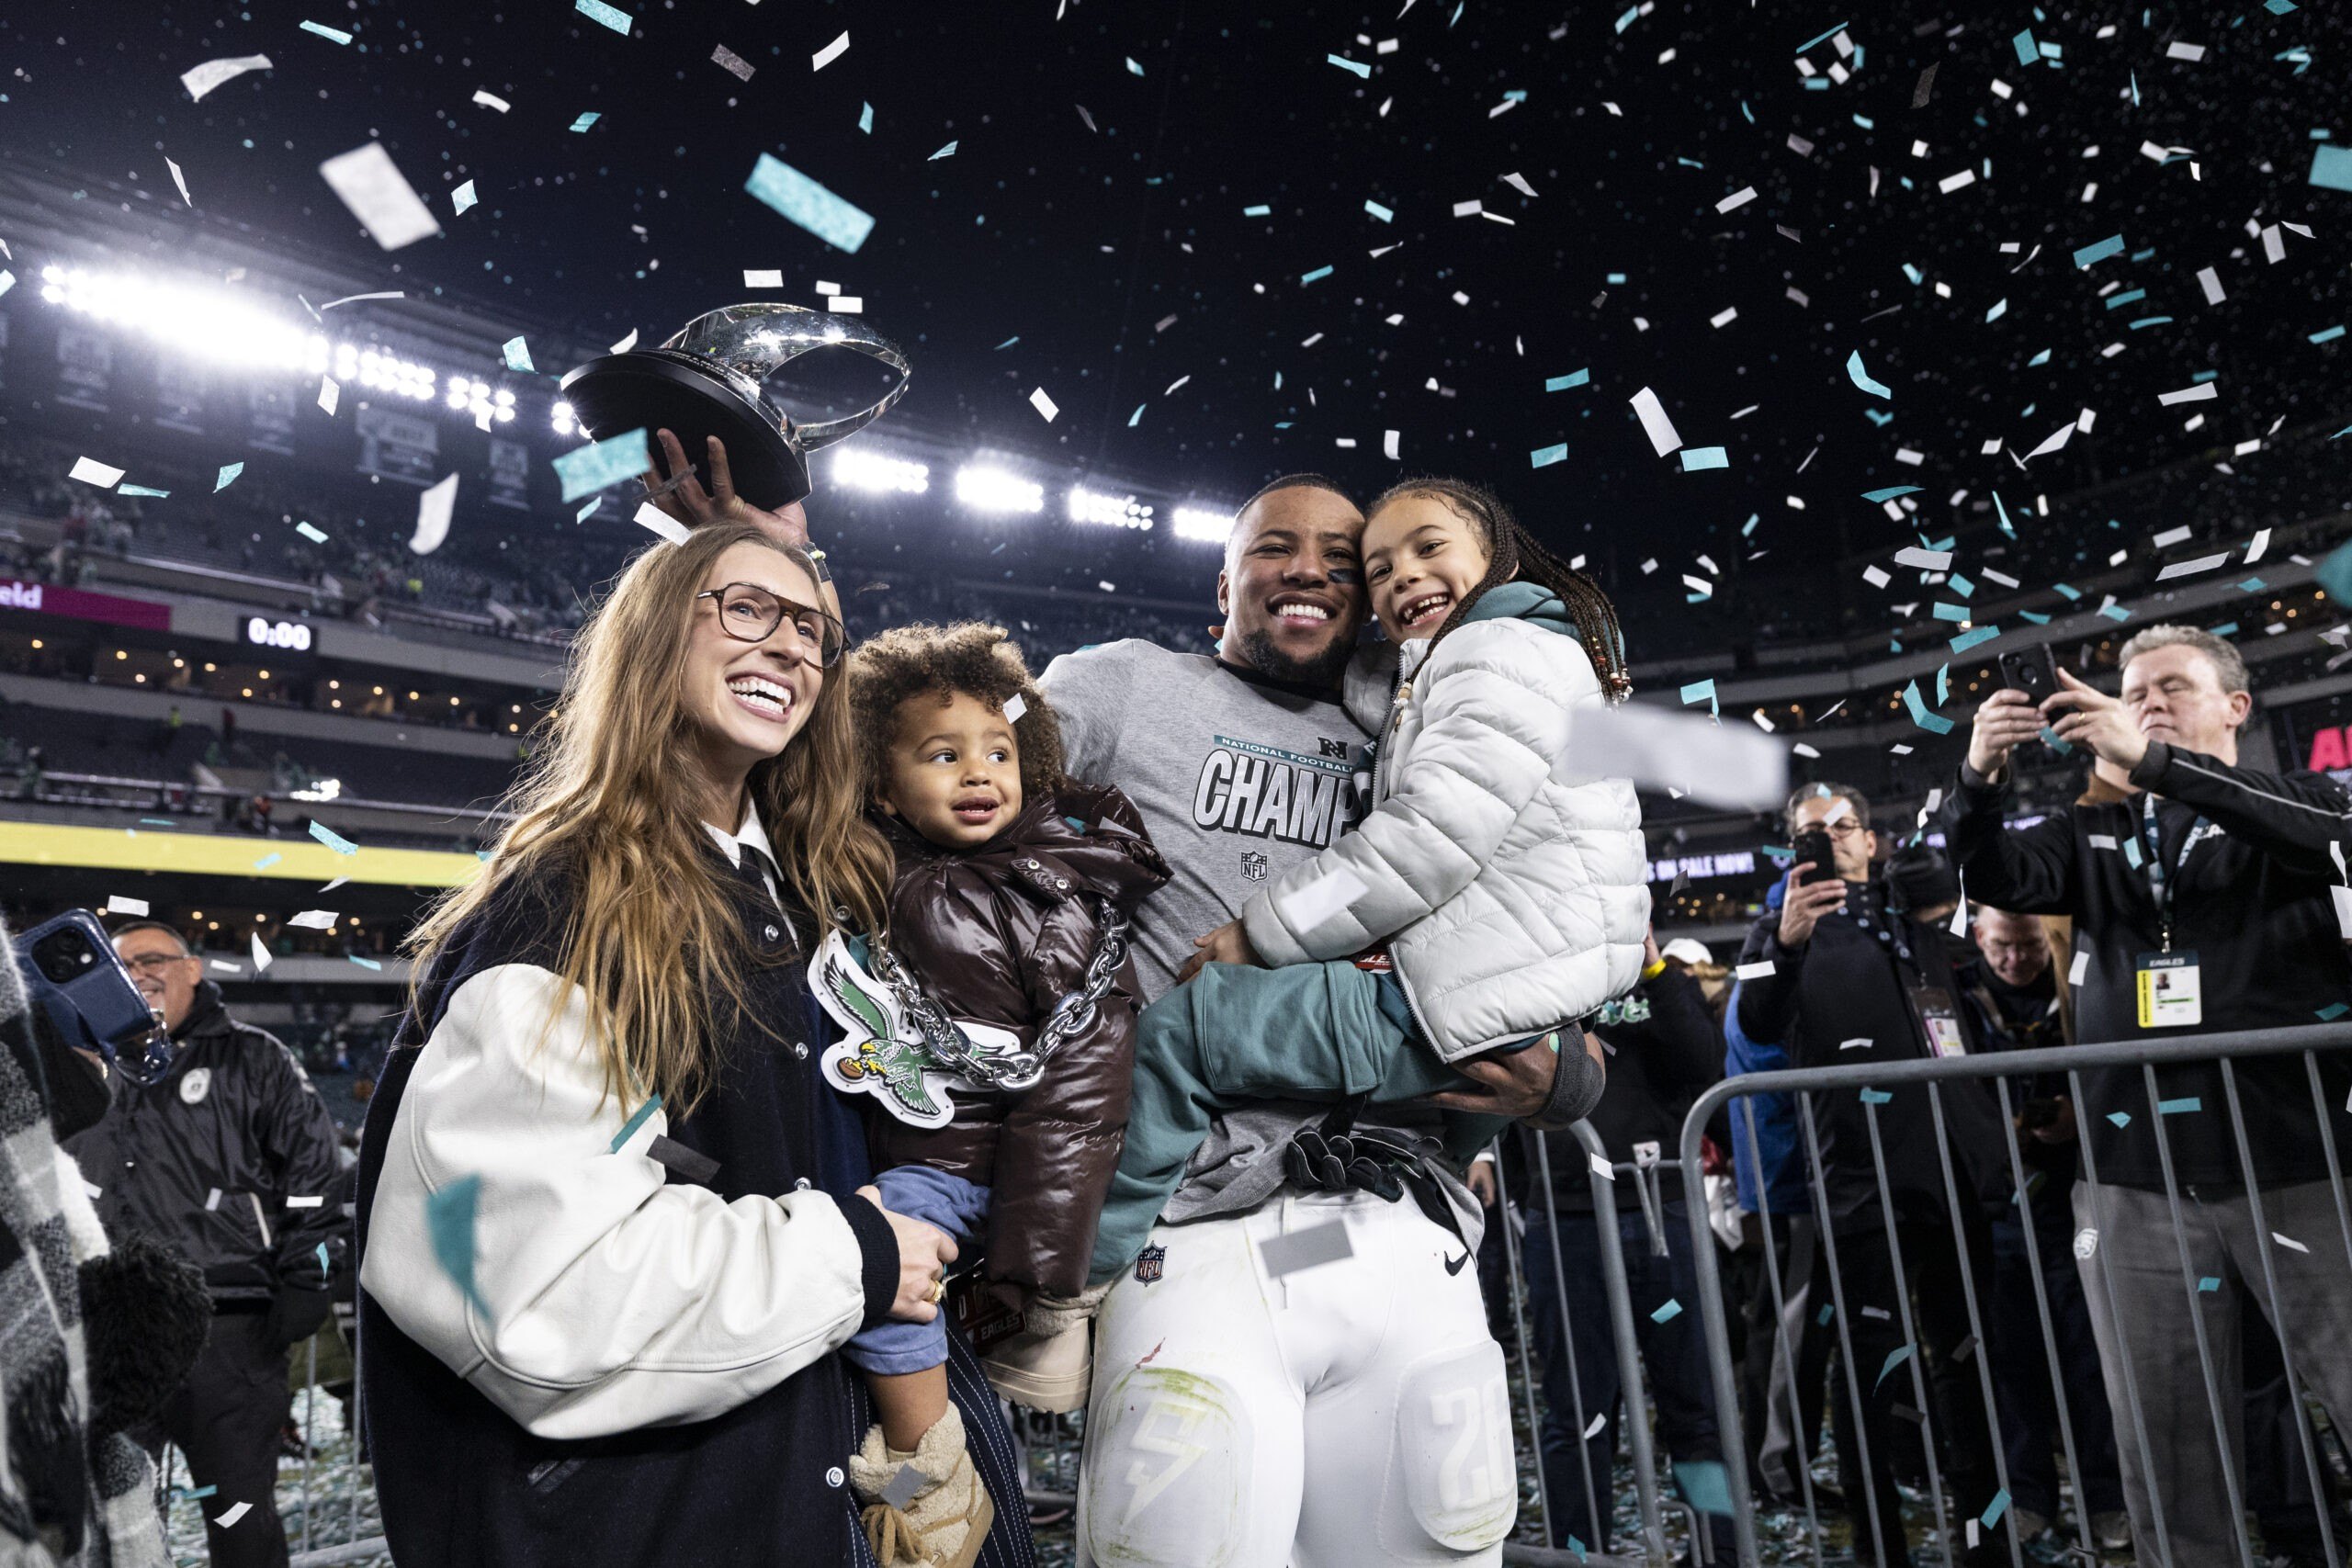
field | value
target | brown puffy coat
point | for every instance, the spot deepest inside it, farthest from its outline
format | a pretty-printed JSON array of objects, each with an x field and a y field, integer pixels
[{"x": 999, "y": 936}]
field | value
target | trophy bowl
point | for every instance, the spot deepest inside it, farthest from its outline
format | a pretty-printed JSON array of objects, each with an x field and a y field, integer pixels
[{"x": 710, "y": 379}]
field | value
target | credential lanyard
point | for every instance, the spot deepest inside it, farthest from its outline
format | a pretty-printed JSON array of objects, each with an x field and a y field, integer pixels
[{"x": 2160, "y": 881}]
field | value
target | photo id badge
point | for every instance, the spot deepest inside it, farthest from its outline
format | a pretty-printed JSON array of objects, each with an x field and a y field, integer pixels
[
  {"x": 1939, "y": 1017},
  {"x": 2172, "y": 996}
]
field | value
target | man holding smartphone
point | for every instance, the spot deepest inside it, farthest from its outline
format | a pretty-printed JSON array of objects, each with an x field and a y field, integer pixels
[
  {"x": 231, "y": 1158},
  {"x": 2199, "y": 891},
  {"x": 1839, "y": 976}
]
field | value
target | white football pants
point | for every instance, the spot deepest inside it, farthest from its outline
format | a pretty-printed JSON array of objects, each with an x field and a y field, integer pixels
[{"x": 1340, "y": 1415}]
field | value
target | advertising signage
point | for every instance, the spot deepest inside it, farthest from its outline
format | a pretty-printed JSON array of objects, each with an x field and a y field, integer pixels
[
  {"x": 48, "y": 599},
  {"x": 2317, "y": 734}
]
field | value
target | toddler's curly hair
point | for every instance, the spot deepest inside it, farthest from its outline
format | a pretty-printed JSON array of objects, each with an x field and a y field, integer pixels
[{"x": 970, "y": 657}]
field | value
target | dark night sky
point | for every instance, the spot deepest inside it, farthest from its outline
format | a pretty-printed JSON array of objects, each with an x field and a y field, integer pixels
[{"x": 1081, "y": 242}]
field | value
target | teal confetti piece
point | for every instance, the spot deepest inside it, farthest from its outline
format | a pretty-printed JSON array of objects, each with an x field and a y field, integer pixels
[
  {"x": 1006, "y": 343},
  {"x": 1573, "y": 379},
  {"x": 518, "y": 353},
  {"x": 1943, "y": 684},
  {"x": 1388, "y": 215},
  {"x": 1890, "y": 493},
  {"x": 607, "y": 16},
  {"x": 1136, "y": 418},
  {"x": 315, "y": 536},
  {"x": 2115, "y": 612},
  {"x": 1861, "y": 378},
  {"x": 2050, "y": 737},
  {"x": 1545, "y": 456},
  {"x": 463, "y": 197},
  {"x": 2093, "y": 254},
  {"x": 2000, "y": 308},
  {"x": 2330, "y": 335},
  {"x": 325, "y": 1267},
  {"x": 1668, "y": 1313},
  {"x": 2209, "y": 1284},
  {"x": 1821, "y": 38},
  {"x": 2332, "y": 167},
  {"x": 1704, "y": 1484},
  {"x": 865, "y": 119},
  {"x": 331, "y": 839},
  {"x": 1699, "y": 692},
  {"x": 1969, "y": 639},
  {"x": 838, "y": 223},
  {"x": 1944, "y": 612},
  {"x": 2121, "y": 1117},
  {"x": 1696, "y": 457},
  {"x": 1893, "y": 1359},
  {"x": 364, "y": 962},
  {"x": 1261, "y": 211},
  {"x": 1578, "y": 1547},
  {"x": 581, "y": 516},
  {"x": 2180, "y": 1106},
  {"x": 1875, "y": 1097},
  {"x": 946, "y": 152},
  {"x": 585, "y": 121},
  {"x": 268, "y": 861},
  {"x": 1133, "y": 69},
  {"x": 1995, "y": 1509},
  {"x": 629, "y": 1128},
  {"x": 1828, "y": 1311},
  {"x": 157, "y": 822},
  {"x": 332, "y": 34},
  {"x": 1318, "y": 273},
  {"x": 2041, "y": 359},
  {"x": 2335, "y": 574},
  {"x": 142, "y": 490},
  {"x": 1933, "y": 723},
  {"x": 2132, "y": 852},
  {"x": 1626, "y": 20},
  {"x": 601, "y": 464},
  {"x": 449, "y": 1216},
  {"x": 2023, "y": 43},
  {"x": 193, "y": 1494},
  {"x": 2333, "y": 1011},
  {"x": 228, "y": 472},
  {"x": 1344, "y": 63},
  {"x": 2278, "y": 7}
]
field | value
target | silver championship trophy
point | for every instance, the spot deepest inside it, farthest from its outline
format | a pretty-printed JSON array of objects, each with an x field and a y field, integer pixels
[{"x": 710, "y": 379}]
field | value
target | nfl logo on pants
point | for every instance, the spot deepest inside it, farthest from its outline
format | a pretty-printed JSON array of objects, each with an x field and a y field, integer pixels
[{"x": 1148, "y": 1263}]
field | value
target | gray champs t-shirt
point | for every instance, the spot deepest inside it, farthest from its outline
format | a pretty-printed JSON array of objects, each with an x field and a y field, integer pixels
[{"x": 1238, "y": 779}]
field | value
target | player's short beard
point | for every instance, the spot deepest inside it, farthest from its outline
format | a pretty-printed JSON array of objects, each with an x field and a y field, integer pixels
[{"x": 1324, "y": 669}]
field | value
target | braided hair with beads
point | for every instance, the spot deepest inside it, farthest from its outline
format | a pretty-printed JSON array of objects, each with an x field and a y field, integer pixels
[{"x": 1515, "y": 554}]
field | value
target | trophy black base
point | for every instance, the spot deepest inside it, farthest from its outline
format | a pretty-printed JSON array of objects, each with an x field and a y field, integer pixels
[{"x": 657, "y": 389}]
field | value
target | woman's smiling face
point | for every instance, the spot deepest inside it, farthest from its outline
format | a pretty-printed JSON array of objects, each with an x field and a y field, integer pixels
[
  {"x": 1420, "y": 558},
  {"x": 747, "y": 699}
]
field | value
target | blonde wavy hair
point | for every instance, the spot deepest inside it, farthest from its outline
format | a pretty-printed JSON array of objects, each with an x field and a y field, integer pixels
[{"x": 650, "y": 934}]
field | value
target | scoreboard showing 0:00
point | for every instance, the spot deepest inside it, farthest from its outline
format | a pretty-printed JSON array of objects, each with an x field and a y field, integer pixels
[{"x": 263, "y": 632}]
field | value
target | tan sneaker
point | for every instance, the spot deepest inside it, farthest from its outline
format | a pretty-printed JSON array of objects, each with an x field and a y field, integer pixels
[
  {"x": 1048, "y": 1364},
  {"x": 925, "y": 1510}
]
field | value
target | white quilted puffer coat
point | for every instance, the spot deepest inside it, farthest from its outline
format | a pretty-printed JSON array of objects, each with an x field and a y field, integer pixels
[{"x": 1509, "y": 876}]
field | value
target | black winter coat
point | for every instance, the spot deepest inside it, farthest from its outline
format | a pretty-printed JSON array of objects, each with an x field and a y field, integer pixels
[
  {"x": 1844, "y": 998},
  {"x": 999, "y": 936},
  {"x": 231, "y": 1158},
  {"x": 2251, "y": 901}
]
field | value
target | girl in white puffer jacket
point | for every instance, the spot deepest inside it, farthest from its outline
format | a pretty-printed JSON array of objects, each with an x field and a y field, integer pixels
[{"x": 1506, "y": 874}]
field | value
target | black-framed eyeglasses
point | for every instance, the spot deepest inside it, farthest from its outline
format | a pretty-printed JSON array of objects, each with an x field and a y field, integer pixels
[{"x": 749, "y": 613}]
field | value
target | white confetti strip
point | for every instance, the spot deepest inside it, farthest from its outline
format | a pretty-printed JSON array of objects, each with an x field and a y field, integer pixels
[
  {"x": 1736, "y": 200},
  {"x": 90, "y": 471},
  {"x": 2290, "y": 1243},
  {"x": 235, "y": 1512},
  {"x": 2204, "y": 391},
  {"x": 2079, "y": 967},
  {"x": 491, "y": 101},
  {"x": 202, "y": 79},
  {"x": 1755, "y": 971},
  {"x": 1654, "y": 424},
  {"x": 371, "y": 185},
  {"x": 1013, "y": 708},
  {"x": 119, "y": 904},
  {"x": 1043, "y": 405},
  {"x": 770, "y": 277},
  {"x": 313, "y": 920},
  {"x": 830, "y": 53},
  {"x": 434, "y": 507},
  {"x": 652, "y": 517},
  {"x": 329, "y": 395},
  {"x": 262, "y": 959}
]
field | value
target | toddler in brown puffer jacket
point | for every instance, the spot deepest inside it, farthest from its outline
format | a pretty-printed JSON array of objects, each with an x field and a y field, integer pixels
[{"x": 999, "y": 1015}]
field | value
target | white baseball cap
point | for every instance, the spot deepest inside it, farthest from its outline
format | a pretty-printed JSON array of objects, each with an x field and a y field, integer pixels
[{"x": 1689, "y": 948}]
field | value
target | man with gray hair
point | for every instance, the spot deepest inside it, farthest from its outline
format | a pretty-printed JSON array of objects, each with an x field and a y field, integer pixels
[{"x": 2202, "y": 903}]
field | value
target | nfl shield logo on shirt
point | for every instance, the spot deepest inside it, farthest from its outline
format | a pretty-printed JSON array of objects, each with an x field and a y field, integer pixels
[
  {"x": 1148, "y": 1263},
  {"x": 194, "y": 1083}
]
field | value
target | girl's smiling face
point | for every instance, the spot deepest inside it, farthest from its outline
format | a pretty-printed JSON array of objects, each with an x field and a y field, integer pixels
[{"x": 1420, "y": 558}]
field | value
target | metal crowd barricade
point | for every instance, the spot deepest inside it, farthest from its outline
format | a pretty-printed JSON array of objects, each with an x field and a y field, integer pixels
[{"x": 2221, "y": 1048}]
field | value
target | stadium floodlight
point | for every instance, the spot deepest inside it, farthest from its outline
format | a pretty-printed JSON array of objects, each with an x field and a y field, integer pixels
[
  {"x": 562, "y": 420},
  {"x": 1108, "y": 511},
  {"x": 984, "y": 488},
  {"x": 862, "y": 467},
  {"x": 1209, "y": 525}
]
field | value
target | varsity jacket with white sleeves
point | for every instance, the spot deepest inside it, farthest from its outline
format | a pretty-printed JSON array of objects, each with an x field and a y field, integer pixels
[
  {"x": 1509, "y": 874},
  {"x": 644, "y": 1372}
]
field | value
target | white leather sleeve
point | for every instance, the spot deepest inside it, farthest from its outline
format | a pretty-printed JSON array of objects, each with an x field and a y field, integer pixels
[
  {"x": 612, "y": 1301},
  {"x": 1494, "y": 724}
]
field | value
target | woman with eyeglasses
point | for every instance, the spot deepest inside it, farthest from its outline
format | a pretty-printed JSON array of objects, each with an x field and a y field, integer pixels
[{"x": 603, "y": 1270}]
